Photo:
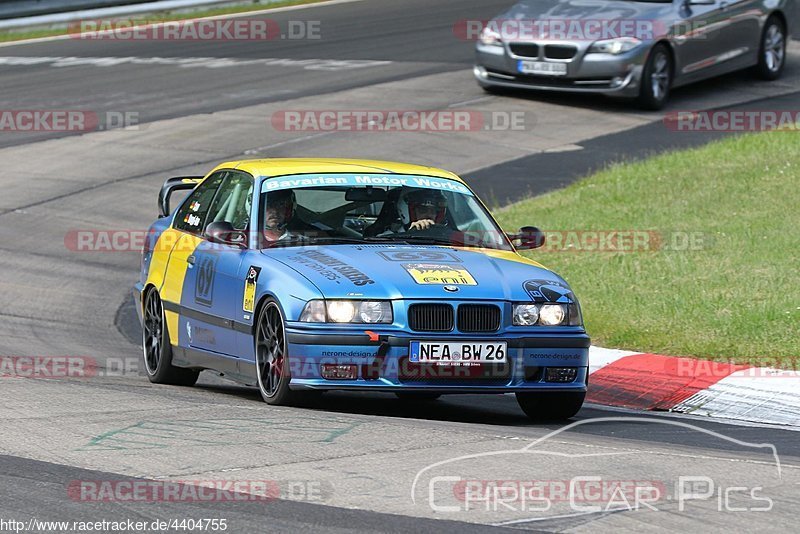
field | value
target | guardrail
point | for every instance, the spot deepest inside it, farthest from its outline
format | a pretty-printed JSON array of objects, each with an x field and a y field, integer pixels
[
  {"x": 57, "y": 13},
  {"x": 30, "y": 8}
]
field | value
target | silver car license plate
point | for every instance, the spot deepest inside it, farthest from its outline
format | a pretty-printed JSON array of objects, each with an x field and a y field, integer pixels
[{"x": 542, "y": 68}]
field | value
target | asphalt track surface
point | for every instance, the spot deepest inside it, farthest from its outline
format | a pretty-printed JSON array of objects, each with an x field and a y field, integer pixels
[{"x": 366, "y": 450}]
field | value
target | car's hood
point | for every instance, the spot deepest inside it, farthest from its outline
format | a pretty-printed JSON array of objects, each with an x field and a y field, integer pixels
[
  {"x": 417, "y": 272},
  {"x": 596, "y": 10}
]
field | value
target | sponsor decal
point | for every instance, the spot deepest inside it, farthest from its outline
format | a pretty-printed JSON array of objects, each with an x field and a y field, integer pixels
[
  {"x": 393, "y": 180},
  {"x": 419, "y": 255},
  {"x": 249, "y": 300},
  {"x": 348, "y": 271},
  {"x": 194, "y": 206},
  {"x": 204, "y": 283},
  {"x": 191, "y": 219},
  {"x": 549, "y": 291},
  {"x": 204, "y": 336},
  {"x": 439, "y": 274}
]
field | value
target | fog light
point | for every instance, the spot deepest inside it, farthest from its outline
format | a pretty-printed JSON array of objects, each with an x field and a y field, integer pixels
[
  {"x": 616, "y": 81},
  {"x": 561, "y": 374},
  {"x": 479, "y": 72},
  {"x": 334, "y": 371}
]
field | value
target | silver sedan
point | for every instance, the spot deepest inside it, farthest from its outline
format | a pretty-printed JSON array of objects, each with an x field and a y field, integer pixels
[{"x": 637, "y": 48}]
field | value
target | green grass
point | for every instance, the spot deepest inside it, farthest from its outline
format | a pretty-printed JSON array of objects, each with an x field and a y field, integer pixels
[
  {"x": 737, "y": 298},
  {"x": 161, "y": 16}
]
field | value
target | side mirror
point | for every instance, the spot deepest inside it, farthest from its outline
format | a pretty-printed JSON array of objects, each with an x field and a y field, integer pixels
[
  {"x": 222, "y": 232},
  {"x": 528, "y": 237}
]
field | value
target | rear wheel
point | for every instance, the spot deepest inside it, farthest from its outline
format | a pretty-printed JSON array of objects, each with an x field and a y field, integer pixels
[
  {"x": 555, "y": 406},
  {"x": 656, "y": 79},
  {"x": 156, "y": 347},
  {"x": 272, "y": 359},
  {"x": 417, "y": 395},
  {"x": 772, "y": 53}
]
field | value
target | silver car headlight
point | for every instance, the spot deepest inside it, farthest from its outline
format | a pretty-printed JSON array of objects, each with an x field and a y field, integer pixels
[
  {"x": 490, "y": 37},
  {"x": 347, "y": 311},
  {"x": 617, "y": 46}
]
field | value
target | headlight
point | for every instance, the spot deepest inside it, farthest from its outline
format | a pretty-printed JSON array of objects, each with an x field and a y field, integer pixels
[
  {"x": 314, "y": 312},
  {"x": 575, "y": 314},
  {"x": 552, "y": 314},
  {"x": 620, "y": 45},
  {"x": 347, "y": 311},
  {"x": 341, "y": 311},
  {"x": 375, "y": 311},
  {"x": 548, "y": 314},
  {"x": 525, "y": 314},
  {"x": 490, "y": 37}
]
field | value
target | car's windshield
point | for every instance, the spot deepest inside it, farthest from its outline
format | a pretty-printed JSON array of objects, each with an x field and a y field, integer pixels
[{"x": 343, "y": 208}]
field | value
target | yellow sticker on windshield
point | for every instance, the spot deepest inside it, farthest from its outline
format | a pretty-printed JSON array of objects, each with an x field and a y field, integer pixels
[{"x": 440, "y": 274}]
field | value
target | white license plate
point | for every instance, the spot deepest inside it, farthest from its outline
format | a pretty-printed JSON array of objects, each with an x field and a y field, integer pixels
[
  {"x": 542, "y": 68},
  {"x": 458, "y": 353}
]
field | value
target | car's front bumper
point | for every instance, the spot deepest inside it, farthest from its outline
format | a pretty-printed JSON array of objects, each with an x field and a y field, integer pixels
[
  {"x": 586, "y": 73},
  {"x": 381, "y": 360}
]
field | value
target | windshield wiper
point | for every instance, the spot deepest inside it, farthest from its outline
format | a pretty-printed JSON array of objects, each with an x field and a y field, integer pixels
[{"x": 432, "y": 239}]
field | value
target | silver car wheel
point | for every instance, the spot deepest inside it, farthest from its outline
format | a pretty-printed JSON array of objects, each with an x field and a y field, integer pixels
[
  {"x": 660, "y": 77},
  {"x": 773, "y": 48}
]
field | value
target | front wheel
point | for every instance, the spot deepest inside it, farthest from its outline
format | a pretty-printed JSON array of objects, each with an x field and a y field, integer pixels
[
  {"x": 656, "y": 79},
  {"x": 272, "y": 359},
  {"x": 156, "y": 347},
  {"x": 555, "y": 406},
  {"x": 772, "y": 53}
]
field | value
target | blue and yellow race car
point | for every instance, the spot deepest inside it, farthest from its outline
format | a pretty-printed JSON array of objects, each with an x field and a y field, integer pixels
[{"x": 300, "y": 276}]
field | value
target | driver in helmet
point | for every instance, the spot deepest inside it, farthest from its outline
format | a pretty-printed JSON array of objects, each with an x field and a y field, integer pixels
[
  {"x": 280, "y": 220},
  {"x": 420, "y": 209}
]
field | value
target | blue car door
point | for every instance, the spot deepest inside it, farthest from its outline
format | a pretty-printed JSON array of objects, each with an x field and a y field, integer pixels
[{"x": 213, "y": 285}]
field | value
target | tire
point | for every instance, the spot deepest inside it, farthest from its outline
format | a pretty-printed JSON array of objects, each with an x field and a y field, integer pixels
[
  {"x": 772, "y": 51},
  {"x": 272, "y": 359},
  {"x": 656, "y": 79},
  {"x": 417, "y": 396},
  {"x": 557, "y": 406},
  {"x": 156, "y": 348}
]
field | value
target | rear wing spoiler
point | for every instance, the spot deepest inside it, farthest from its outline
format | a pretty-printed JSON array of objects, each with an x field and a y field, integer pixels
[{"x": 178, "y": 183}]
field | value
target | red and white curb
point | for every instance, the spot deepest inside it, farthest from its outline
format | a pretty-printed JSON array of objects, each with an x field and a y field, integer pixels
[{"x": 698, "y": 387}]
